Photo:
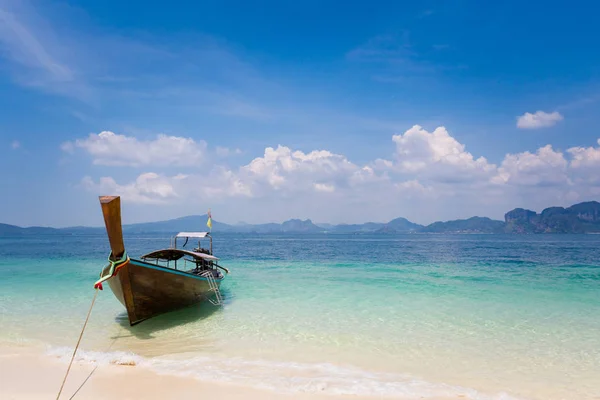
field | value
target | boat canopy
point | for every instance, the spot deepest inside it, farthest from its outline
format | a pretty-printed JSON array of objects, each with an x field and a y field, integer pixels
[
  {"x": 176, "y": 254},
  {"x": 192, "y": 234}
]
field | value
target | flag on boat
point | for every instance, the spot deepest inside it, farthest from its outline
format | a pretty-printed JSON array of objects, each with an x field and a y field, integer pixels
[{"x": 209, "y": 222}]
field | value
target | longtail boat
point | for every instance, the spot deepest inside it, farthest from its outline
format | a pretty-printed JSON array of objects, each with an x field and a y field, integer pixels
[{"x": 162, "y": 280}]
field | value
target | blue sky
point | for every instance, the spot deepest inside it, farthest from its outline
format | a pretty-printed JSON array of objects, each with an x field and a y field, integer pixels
[{"x": 274, "y": 110}]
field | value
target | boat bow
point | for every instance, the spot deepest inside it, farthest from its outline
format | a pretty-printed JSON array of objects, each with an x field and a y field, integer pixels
[{"x": 111, "y": 210}]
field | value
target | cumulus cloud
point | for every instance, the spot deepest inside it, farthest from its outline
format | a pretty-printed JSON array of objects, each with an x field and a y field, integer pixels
[
  {"x": 544, "y": 167},
  {"x": 148, "y": 188},
  {"x": 221, "y": 183},
  {"x": 436, "y": 156},
  {"x": 585, "y": 164},
  {"x": 430, "y": 171},
  {"x": 285, "y": 169},
  {"x": 154, "y": 188},
  {"x": 109, "y": 148},
  {"x": 572, "y": 170},
  {"x": 539, "y": 119},
  {"x": 585, "y": 157}
]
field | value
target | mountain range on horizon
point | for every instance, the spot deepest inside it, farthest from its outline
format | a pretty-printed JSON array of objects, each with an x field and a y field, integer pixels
[{"x": 578, "y": 218}]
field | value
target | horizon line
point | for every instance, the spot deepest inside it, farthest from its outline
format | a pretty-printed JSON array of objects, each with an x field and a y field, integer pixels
[{"x": 296, "y": 218}]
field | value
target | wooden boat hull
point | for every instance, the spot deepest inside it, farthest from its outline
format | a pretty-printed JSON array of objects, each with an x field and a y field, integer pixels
[{"x": 147, "y": 290}]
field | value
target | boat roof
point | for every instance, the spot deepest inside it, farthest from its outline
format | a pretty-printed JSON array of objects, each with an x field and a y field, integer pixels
[
  {"x": 176, "y": 254},
  {"x": 192, "y": 234}
]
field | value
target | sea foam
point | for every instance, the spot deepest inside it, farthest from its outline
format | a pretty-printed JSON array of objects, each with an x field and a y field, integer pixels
[
  {"x": 283, "y": 377},
  {"x": 97, "y": 357}
]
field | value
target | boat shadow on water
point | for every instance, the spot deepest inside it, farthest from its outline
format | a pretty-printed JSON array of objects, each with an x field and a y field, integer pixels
[{"x": 194, "y": 313}]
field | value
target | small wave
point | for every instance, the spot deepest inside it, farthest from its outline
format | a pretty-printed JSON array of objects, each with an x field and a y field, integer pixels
[
  {"x": 285, "y": 377},
  {"x": 97, "y": 357}
]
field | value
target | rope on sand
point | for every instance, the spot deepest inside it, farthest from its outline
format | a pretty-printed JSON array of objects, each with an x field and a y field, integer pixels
[{"x": 77, "y": 345}]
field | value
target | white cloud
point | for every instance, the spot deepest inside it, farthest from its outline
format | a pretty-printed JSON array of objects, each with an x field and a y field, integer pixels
[
  {"x": 148, "y": 188},
  {"x": 585, "y": 164},
  {"x": 544, "y": 167},
  {"x": 222, "y": 183},
  {"x": 430, "y": 171},
  {"x": 15, "y": 144},
  {"x": 108, "y": 148},
  {"x": 436, "y": 156},
  {"x": 366, "y": 176},
  {"x": 288, "y": 170},
  {"x": 153, "y": 188},
  {"x": 585, "y": 157},
  {"x": 539, "y": 119}
]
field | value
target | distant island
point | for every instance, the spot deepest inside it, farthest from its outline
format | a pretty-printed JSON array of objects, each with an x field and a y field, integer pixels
[{"x": 579, "y": 218}]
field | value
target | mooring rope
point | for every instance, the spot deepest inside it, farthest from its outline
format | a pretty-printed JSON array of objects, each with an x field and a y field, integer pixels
[{"x": 77, "y": 345}]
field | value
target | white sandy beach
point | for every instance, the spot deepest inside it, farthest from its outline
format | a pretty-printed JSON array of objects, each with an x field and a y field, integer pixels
[{"x": 28, "y": 374}]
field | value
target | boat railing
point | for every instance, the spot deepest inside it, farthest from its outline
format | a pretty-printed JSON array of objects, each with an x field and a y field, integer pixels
[{"x": 196, "y": 262}]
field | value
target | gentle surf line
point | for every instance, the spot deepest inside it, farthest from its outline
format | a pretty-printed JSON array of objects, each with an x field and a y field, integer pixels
[{"x": 283, "y": 377}]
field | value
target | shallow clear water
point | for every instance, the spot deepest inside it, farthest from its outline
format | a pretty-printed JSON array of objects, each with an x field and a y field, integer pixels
[{"x": 483, "y": 316}]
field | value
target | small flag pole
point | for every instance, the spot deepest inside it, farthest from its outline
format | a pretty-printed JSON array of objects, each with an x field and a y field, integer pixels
[{"x": 209, "y": 224}]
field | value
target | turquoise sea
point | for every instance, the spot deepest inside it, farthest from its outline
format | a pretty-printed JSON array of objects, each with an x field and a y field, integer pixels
[{"x": 401, "y": 316}]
